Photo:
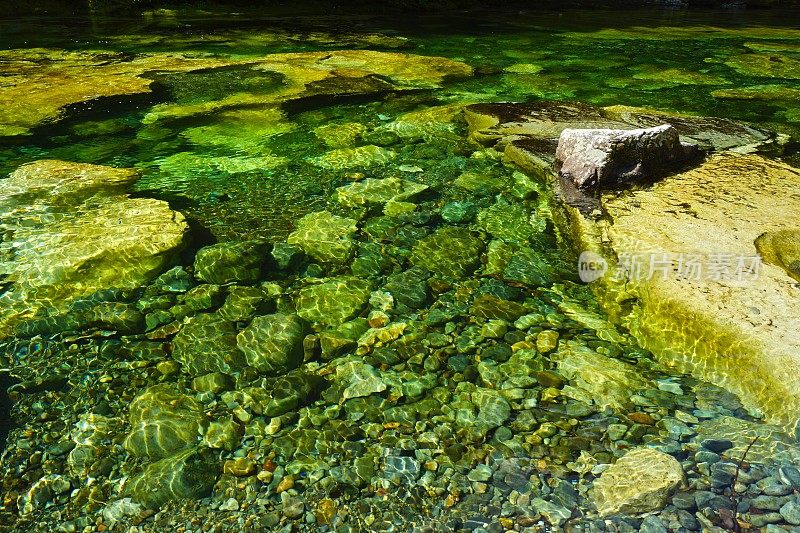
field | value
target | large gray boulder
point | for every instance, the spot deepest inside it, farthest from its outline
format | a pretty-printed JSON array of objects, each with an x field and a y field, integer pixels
[{"x": 599, "y": 157}]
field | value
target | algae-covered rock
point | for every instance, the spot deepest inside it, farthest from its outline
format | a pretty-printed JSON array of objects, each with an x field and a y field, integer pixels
[
  {"x": 409, "y": 288},
  {"x": 492, "y": 307},
  {"x": 780, "y": 93},
  {"x": 273, "y": 343},
  {"x": 163, "y": 422},
  {"x": 347, "y": 158},
  {"x": 336, "y": 341},
  {"x": 325, "y": 237},
  {"x": 190, "y": 474},
  {"x": 493, "y": 410},
  {"x": 358, "y": 379},
  {"x": 207, "y": 343},
  {"x": 597, "y": 378},
  {"x": 70, "y": 231},
  {"x": 782, "y": 249},
  {"x": 340, "y": 135},
  {"x": 292, "y": 391},
  {"x": 507, "y": 222},
  {"x": 40, "y": 83},
  {"x": 334, "y": 301},
  {"x": 243, "y": 303},
  {"x": 640, "y": 482},
  {"x": 431, "y": 123},
  {"x": 241, "y": 130},
  {"x": 230, "y": 262},
  {"x": 378, "y": 191},
  {"x": 766, "y": 65},
  {"x": 450, "y": 252},
  {"x": 223, "y": 434},
  {"x": 278, "y": 396},
  {"x": 729, "y": 319},
  {"x": 327, "y": 74}
]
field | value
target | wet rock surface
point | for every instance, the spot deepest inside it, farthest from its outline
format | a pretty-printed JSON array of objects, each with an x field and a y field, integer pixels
[
  {"x": 594, "y": 158},
  {"x": 71, "y": 231}
]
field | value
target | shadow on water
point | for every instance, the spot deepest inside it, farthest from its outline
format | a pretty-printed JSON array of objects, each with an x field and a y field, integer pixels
[{"x": 6, "y": 421}]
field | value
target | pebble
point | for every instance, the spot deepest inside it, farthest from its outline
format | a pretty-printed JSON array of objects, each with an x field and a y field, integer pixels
[
  {"x": 790, "y": 476},
  {"x": 229, "y": 505},
  {"x": 790, "y": 511},
  {"x": 652, "y": 524},
  {"x": 769, "y": 503},
  {"x": 716, "y": 445}
]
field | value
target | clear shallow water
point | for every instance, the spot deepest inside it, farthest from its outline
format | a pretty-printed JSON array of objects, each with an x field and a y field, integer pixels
[
  {"x": 252, "y": 171},
  {"x": 676, "y": 61}
]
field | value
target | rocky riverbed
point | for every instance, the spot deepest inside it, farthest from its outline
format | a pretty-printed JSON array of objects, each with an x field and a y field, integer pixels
[
  {"x": 418, "y": 354},
  {"x": 307, "y": 288}
]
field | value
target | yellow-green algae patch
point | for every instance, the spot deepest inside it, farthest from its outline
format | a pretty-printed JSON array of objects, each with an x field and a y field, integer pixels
[
  {"x": 765, "y": 65},
  {"x": 778, "y": 93},
  {"x": 773, "y": 46},
  {"x": 679, "y": 33},
  {"x": 341, "y": 73},
  {"x": 671, "y": 77},
  {"x": 39, "y": 83},
  {"x": 69, "y": 230},
  {"x": 742, "y": 334},
  {"x": 240, "y": 129}
]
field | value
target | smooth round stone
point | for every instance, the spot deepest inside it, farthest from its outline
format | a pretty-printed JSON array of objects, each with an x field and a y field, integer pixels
[
  {"x": 790, "y": 476},
  {"x": 229, "y": 505},
  {"x": 459, "y": 211},
  {"x": 769, "y": 503},
  {"x": 705, "y": 456},
  {"x": 293, "y": 507},
  {"x": 684, "y": 500},
  {"x": 546, "y": 341},
  {"x": 716, "y": 445},
  {"x": 790, "y": 511},
  {"x": 480, "y": 473},
  {"x": 213, "y": 382},
  {"x": 771, "y": 486},
  {"x": 761, "y": 520},
  {"x": 652, "y": 524}
]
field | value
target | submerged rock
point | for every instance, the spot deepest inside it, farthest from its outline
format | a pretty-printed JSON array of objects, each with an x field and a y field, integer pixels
[
  {"x": 188, "y": 474},
  {"x": 378, "y": 191},
  {"x": 639, "y": 482},
  {"x": 603, "y": 157},
  {"x": 360, "y": 157},
  {"x": 333, "y": 302},
  {"x": 451, "y": 252},
  {"x": 325, "y": 237},
  {"x": 163, "y": 422},
  {"x": 535, "y": 127},
  {"x": 358, "y": 379},
  {"x": 273, "y": 343},
  {"x": 207, "y": 343},
  {"x": 598, "y": 378},
  {"x": 712, "y": 308},
  {"x": 43, "y": 82},
  {"x": 70, "y": 231},
  {"x": 782, "y": 249},
  {"x": 230, "y": 262}
]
